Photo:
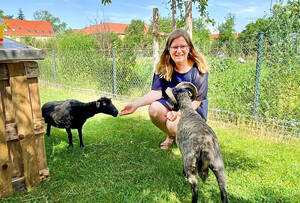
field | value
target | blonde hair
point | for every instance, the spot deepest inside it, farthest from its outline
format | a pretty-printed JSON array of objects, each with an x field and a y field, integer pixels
[{"x": 165, "y": 66}]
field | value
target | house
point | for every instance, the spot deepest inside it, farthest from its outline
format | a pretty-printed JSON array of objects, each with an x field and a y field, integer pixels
[
  {"x": 117, "y": 28},
  {"x": 19, "y": 28},
  {"x": 215, "y": 36}
]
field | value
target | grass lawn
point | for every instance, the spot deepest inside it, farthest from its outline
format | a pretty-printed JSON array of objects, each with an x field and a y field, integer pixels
[{"x": 121, "y": 162}]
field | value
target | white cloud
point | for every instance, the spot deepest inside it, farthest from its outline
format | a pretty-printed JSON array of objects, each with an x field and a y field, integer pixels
[{"x": 251, "y": 9}]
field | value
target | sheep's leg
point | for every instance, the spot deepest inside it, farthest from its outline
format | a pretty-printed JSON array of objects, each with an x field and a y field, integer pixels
[
  {"x": 194, "y": 186},
  {"x": 48, "y": 129},
  {"x": 70, "y": 137},
  {"x": 221, "y": 178},
  {"x": 80, "y": 136}
]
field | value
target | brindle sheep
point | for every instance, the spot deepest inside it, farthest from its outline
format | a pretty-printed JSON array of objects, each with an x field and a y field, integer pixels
[{"x": 197, "y": 142}]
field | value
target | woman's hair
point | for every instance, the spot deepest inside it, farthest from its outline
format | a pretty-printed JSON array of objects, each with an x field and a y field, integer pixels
[{"x": 166, "y": 64}]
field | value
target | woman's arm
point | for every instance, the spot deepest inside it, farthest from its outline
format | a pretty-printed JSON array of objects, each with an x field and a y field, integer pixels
[{"x": 147, "y": 99}]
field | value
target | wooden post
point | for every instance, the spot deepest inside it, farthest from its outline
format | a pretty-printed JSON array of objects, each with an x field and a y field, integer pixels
[
  {"x": 32, "y": 73},
  {"x": 5, "y": 166},
  {"x": 155, "y": 38},
  {"x": 188, "y": 18},
  {"x": 174, "y": 15},
  {"x": 24, "y": 121}
]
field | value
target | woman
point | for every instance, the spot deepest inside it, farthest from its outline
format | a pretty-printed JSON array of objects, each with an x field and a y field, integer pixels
[{"x": 179, "y": 62}]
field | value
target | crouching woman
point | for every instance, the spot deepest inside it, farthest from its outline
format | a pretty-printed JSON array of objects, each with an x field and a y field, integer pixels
[{"x": 179, "y": 62}]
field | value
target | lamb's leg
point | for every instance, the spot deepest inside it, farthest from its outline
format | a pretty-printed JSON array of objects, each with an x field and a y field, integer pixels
[
  {"x": 48, "y": 129},
  {"x": 80, "y": 136},
  {"x": 194, "y": 186},
  {"x": 221, "y": 178},
  {"x": 70, "y": 137}
]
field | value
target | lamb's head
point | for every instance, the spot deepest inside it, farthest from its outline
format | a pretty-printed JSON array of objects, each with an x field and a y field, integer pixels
[
  {"x": 106, "y": 106},
  {"x": 180, "y": 91}
]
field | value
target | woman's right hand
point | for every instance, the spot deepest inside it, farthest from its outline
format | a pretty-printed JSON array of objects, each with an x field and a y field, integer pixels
[{"x": 128, "y": 109}]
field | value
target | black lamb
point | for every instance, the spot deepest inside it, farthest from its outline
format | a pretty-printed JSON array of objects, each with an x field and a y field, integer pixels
[
  {"x": 197, "y": 142},
  {"x": 72, "y": 114}
]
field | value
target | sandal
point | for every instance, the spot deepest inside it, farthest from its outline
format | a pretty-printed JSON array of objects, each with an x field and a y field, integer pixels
[{"x": 167, "y": 143}]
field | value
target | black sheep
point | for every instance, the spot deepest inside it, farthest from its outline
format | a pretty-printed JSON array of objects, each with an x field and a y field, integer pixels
[{"x": 72, "y": 114}]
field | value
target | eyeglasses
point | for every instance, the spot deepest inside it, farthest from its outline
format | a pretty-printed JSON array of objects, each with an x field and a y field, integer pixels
[{"x": 183, "y": 48}]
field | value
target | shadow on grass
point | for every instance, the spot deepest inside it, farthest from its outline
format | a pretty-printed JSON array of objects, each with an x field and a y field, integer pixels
[{"x": 121, "y": 162}]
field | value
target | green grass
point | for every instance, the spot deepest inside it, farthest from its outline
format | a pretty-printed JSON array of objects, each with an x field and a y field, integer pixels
[{"x": 121, "y": 162}]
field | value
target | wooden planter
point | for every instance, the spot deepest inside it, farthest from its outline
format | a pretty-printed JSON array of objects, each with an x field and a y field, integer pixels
[{"x": 22, "y": 149}]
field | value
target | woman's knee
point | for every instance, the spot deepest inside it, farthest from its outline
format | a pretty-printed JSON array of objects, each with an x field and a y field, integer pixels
[{"x": 157, "y": 111}]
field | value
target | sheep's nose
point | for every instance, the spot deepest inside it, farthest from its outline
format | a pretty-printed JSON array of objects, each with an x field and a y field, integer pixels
[{"x": 115, "y": 114}]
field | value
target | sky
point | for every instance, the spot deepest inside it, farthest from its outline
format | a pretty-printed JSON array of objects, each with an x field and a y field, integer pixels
[{"x": 83, "y": 13}]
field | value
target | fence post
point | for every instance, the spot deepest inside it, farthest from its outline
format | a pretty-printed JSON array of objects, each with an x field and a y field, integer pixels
[
  {"x": 188, "y": 18},
  {"x": 155, "y": 38},
  {"x": 114, "y": 73},
  {"x": 54, "y": 67},
  {"x": 257, "y": 75}
]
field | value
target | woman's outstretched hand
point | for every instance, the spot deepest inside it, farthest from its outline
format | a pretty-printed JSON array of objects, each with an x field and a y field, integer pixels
[{"x": 128, "y": 109}]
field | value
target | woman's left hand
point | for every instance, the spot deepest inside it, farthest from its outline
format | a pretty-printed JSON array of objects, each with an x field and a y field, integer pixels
[{"x": 172, "y": 115}]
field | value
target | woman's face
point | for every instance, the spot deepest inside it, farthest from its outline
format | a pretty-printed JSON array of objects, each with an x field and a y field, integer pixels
[{"x": 179, "y": 50}]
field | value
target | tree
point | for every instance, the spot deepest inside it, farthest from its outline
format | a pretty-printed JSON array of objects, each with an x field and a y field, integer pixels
[
  {"x": 248, "y": 38},
  {"x": 201, "y": 35},
  {"x": 201, "y": 6},
  {"x": 43, "y": 15},
  {"x": 21, "y": 15},
  {"x": 226, "y": 29},
  {"x": 5, "y": 16},
  {"x": 226, "y": 40},
  {"x": 134, "y": 34}
]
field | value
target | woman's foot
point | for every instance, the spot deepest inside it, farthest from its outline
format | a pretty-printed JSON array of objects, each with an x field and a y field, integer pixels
[{"x": 167, "y": 143}]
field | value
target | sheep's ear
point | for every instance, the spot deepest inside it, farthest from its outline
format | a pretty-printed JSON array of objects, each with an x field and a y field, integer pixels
[{"x": 98, "y": 104}]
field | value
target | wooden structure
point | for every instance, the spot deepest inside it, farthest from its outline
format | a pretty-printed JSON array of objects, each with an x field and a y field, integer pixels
[{"x": 22, "y": 149}]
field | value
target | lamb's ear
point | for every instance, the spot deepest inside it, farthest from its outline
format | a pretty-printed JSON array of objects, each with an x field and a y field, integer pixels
[
  {"x": 170, "y": 94},
  {"x": 98, "y": 104}
]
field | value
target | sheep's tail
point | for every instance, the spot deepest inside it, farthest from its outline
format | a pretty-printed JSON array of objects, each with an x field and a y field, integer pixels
[
  {"x": 203, "y": 165},
  {"x": 194, "y": 186}
]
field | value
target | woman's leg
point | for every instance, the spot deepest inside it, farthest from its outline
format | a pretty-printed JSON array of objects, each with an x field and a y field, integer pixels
[{"x": 158, "y": 116}]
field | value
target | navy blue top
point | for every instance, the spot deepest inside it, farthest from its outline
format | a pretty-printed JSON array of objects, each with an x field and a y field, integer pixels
[{"x": 193, "y": 76}]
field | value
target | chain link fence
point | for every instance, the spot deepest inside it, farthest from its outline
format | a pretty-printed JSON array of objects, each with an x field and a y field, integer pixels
[{"x": 260, "y": 91}]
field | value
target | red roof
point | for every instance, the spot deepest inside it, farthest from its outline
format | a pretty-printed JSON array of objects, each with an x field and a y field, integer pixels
[
  {"x": 215, "y": 36},
  {"x": 28, "y": 27},
  {"x": 106, "y": 27}
]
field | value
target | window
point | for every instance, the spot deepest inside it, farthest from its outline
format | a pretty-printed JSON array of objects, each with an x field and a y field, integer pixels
[
  {"x": 29, "y": 30},
  {"x": 20, "y": 28},
  {"x": 36, "y": 31},
  {"x": 43, "y": 31},
  {"x": 50, "y": 31}
]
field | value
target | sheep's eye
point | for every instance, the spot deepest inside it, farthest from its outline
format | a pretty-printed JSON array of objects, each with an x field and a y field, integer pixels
[{"x": 98, "y": 104}]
